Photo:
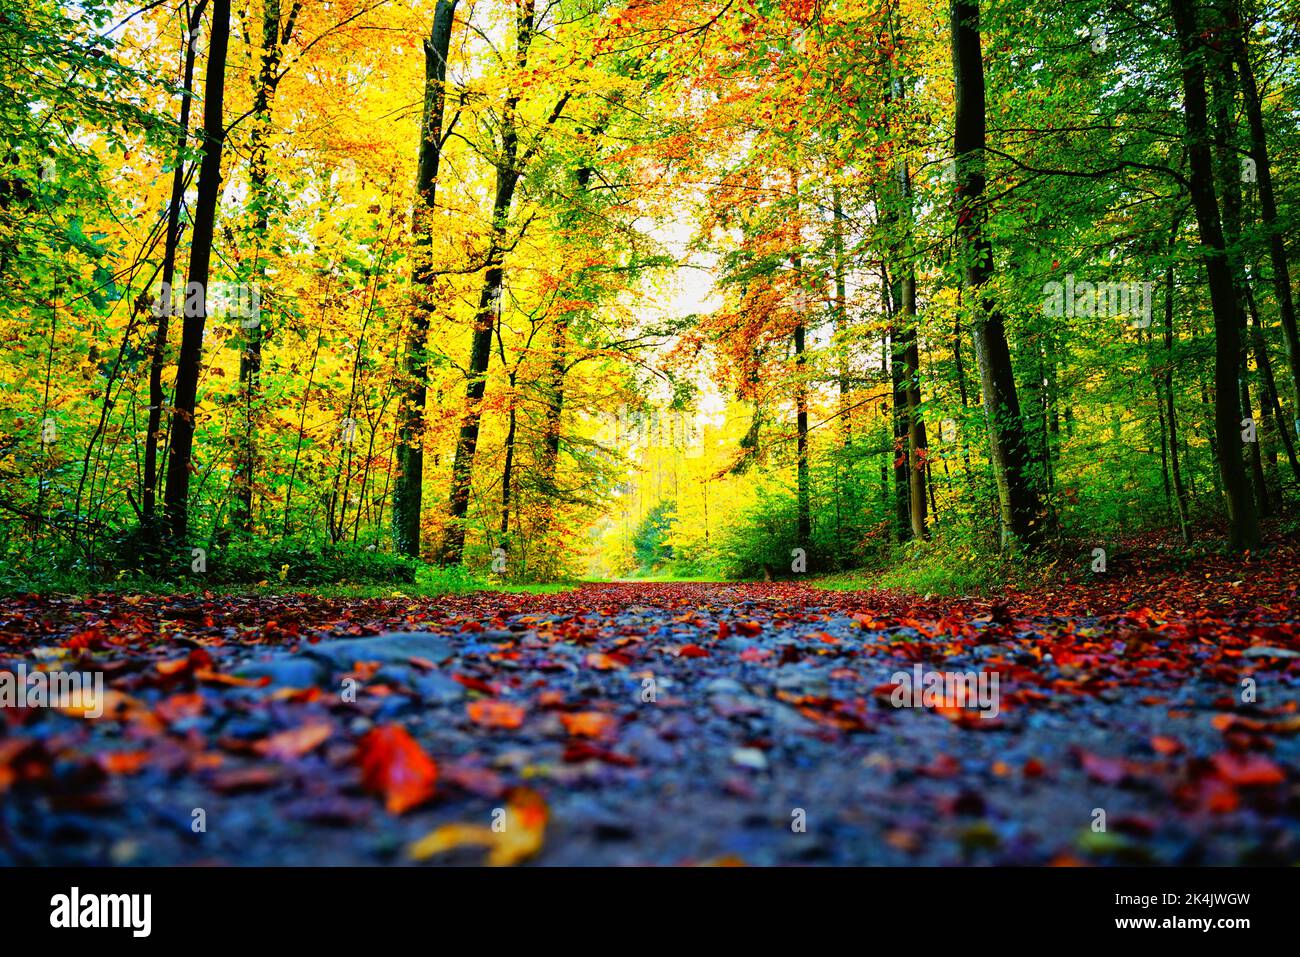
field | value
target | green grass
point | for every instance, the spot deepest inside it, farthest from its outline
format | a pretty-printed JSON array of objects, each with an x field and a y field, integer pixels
[{"x": 935, "y": 568}]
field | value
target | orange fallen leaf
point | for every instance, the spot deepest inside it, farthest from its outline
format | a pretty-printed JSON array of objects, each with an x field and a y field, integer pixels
[
  {"x": 122, "y": 762},
  {"x": 1167, "y": 746},
  {"x": 295, "y": 742},
  {"x": 395, "y": 766},
  {"x": 1247, "y": 770},
  {"x": 589, "y": 724},
  {"x": 491, "y": 713}
]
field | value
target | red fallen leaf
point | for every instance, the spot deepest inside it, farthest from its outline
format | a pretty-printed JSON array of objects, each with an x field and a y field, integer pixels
[
  {"x": 1033, "y": 768},
  {"x": 476, "y": 780},
  {"x": 239, "y": 780},
  {"x": 1139, "y": 825},
  {"x": 943, "y": 766},
  {"x": 589, "y": 724},
  {"x": 295, "y": 742},
  {"x": 122, "y": 762},
  {"x": 179, "y": 706},
  {"x": 394, "y": 766},
  {"x": 578, "y": 751},
  {"x": 691, "y": 651},
  {"x": 603, "y": 662},
  {"x": 748, "y": 628},
  {"x": 1104, "y": 770},
  {"x": 21, "y": 758},
  {"x": 471, "y": 626},
  {"x": 1247, "y": 770},
  {"x": 491, "y": 713},
  {"x": 1166, "y": 746},
  {"x": 755, "y": 654},
  {"x": 475, "y": 684},
  {"x": 86, "y": 639},
  {"x": 724, "y": 630},
  {"x": 195, "y": 660},
  {"x": 1207, "y": 794}
]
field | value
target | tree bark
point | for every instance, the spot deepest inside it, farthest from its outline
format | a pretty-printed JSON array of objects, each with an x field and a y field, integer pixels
[
  {"x": 1223, "y": 90},
  {"x": 489, "y": 307},
  {"x": 408, "y": 487},
  {"x": 158, "y": 359},
  {"x": 189, "y": 361},
  {"x": 1019, "y": 506},
  {"x": 274, "y": 37},
  {"x": 1268, "y": 202},
  {"x": 1180, "y": 491},
  {"x": 1243, "y": 528}
]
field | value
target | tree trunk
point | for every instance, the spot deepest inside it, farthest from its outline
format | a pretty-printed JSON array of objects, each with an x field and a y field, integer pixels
[
  {"x": 1230, "y": 182},
  {"x": 189, "y": 361},
  {"x": 1019, "y": 507},
  {"x": 507, "y": 470},
  {"x": 408, "y": 487},
  {"x": 1268, "y": 202},
  {"x": 508, "y": 171},
  {"x": 1180, "y": 492},
  {"x": 149, "y": 492},
  {"x": 274, "y": 37},
  {"x": 1243, "y": 529},
  {"x": 804, "y": 495},
  {"x": 905, "y": 307}
]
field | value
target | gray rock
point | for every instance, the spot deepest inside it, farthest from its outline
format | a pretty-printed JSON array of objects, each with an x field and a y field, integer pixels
[
  {"x": 392, "y": 647},
  {"x": 290, "y": 671},
  {"x": 437, "y": 687},
  {"x": 1265, "y": 651},
  {"x": 813, "y": 683},
  {"x": 724, "y": 686}
]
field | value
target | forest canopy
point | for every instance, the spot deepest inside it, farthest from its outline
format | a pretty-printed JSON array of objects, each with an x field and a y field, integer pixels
[{"x": 348, "y": 290}]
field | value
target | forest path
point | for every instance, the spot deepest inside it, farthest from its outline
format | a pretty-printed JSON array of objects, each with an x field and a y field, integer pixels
[{"x": 657, "y": 723}]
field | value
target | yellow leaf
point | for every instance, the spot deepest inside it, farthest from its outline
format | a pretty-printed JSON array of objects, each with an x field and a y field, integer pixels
[{"x": 520, "y": 837}]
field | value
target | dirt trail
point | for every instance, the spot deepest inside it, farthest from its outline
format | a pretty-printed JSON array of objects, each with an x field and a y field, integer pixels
[{"x": 653, "y": 724}]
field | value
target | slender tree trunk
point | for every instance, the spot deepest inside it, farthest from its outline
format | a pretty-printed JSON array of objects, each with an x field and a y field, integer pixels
[
  {"x": 1171, "y": 418},
  {"x": 507, "y": 470},
  {"x": 1268, "y": 202},
  {"x": 274, "y": 37},
  {"x": 508, "y": 172},
  {"x": 1019, "y": 506},
  {"x": 911, "y": 360},
  {"x": 1230, "y": 182},
  {"x": 1243, "y": 528},
  {"x": 841, "y": 312},
  {"x": 189, "y": 361},
  {"x": 1269, "y": 397},
  {"x": 158, "y": 359},
  {"x": 408, "y": 487},
  {"x": 898, "y": 394},
  {"x": 804, "y": 494}
]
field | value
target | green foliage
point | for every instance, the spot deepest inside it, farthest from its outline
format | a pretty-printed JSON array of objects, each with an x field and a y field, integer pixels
[
  {"x": 299, "y": 562},
  {"x": 650, "y": 543}
]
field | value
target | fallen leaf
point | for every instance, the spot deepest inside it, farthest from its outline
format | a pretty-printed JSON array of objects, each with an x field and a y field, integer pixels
[
  {"x": 491, "y": 713},
  {"x": 394, "y": 766},
  {"x": 520, "y": 835}
]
